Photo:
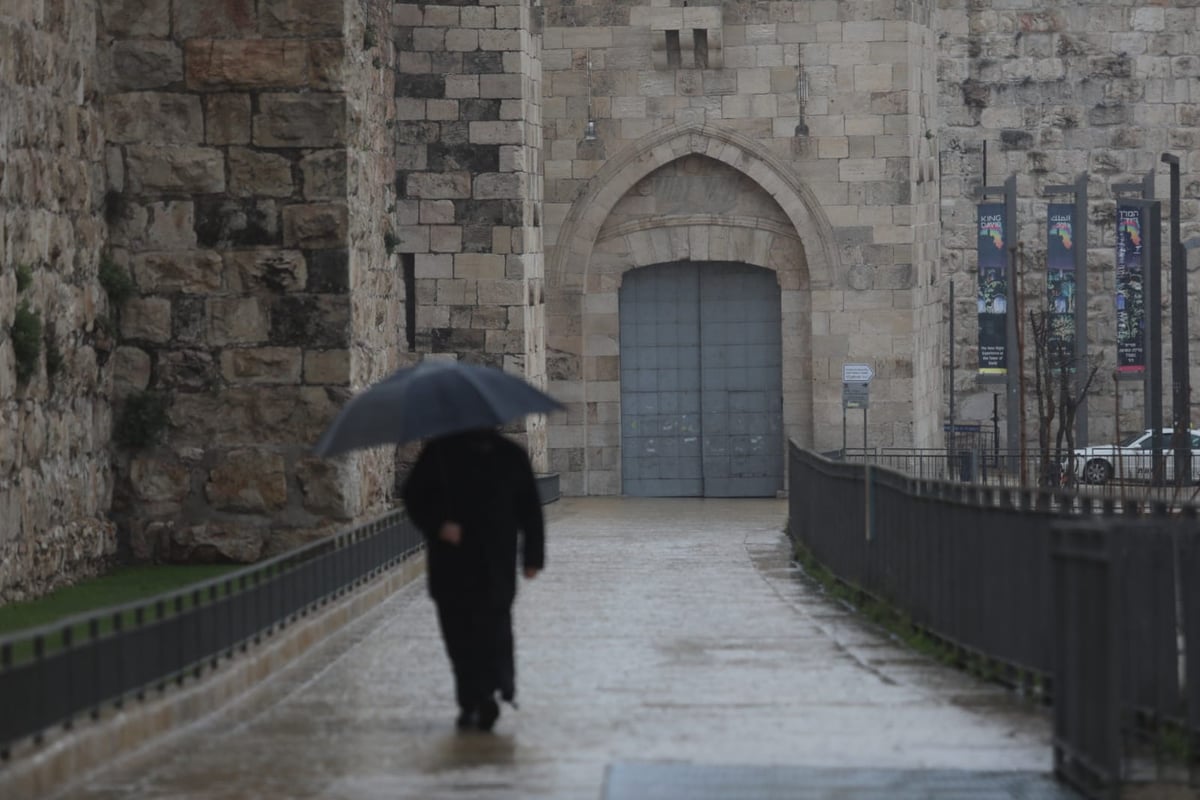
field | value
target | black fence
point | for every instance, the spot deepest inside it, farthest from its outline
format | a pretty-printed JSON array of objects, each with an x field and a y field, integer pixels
[
  {"x": 1008, "y": 469},
  {"x": 1093, "y": 599},
  {"x": 52, "y": 675}
]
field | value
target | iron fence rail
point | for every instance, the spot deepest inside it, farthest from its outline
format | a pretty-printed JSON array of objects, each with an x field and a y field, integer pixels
[
  {"x": 1003, "y": 469},
  {"x": 52, "y": 675},
  {"x": 1104, "y": 616}
]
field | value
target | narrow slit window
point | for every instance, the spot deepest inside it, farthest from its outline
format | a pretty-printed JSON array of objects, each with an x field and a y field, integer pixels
[
  {"x": 674, "y": 58},
  {"x": 700, "y": 47},
  {"x": 408, "y": 263}
]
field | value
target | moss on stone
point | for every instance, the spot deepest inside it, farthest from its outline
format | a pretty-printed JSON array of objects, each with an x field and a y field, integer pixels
[{"x": 26, "y": 335}]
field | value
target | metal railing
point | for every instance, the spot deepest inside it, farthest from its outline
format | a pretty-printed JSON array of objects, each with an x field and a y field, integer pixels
[
  {"x": 1102, "y": 619},
  {"x": 52, "y": 675},
  {"x": 1003, "y": 468}
]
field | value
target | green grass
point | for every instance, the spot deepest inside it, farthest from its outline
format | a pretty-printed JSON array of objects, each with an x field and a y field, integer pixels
[{"x": 122, "y": 585}]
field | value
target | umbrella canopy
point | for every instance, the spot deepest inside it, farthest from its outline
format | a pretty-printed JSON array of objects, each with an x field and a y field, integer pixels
[{"x": 433, "y": 398}]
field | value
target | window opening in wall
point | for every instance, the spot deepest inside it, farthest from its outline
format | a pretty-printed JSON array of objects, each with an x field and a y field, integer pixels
[
  {"x": 700, "y": 47},
  {"x": 674, "y": 59},
  {"x": 409, "y": 265}
]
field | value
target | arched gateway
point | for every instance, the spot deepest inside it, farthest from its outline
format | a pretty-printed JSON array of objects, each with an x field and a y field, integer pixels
[{"x": 707, "y": 227}]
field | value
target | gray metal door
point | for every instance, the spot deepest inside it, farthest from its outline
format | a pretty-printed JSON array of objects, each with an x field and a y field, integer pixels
[{"x": 701, "y": 386}]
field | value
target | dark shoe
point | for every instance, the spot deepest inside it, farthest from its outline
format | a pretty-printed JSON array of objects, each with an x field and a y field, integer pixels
[
  {"x": 467, "y": 718},
  {"x": 489, "y": 712}
]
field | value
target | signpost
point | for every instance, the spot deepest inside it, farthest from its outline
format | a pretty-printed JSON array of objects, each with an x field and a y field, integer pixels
[{"x": 856, "y": 385}]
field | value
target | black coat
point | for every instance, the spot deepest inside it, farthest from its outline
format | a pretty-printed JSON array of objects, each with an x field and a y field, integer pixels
[{"x": 485, "y": 483}]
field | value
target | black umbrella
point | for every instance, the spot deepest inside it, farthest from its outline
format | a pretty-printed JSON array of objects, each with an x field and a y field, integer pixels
[{"x": 433, "y": 398}]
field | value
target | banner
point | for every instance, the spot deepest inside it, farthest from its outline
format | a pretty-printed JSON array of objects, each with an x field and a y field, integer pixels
[
  {"x": 993, "y": 290},
  {"x": 1131, "y": 307},
  {"x": 1060, "y": 283}
]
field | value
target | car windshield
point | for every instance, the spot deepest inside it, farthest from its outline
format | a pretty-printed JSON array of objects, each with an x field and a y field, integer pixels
[{"x": 1131, "y": 438}]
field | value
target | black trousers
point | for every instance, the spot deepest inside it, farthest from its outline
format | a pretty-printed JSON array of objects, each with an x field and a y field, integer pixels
[{"x": 479, "y": 641}]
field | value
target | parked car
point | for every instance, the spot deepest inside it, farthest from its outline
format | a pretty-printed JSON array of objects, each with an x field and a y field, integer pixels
[{"x": 1132, "y": 459}]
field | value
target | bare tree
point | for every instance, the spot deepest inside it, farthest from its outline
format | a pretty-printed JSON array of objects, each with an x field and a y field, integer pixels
[{"x": 1059, "y": 393}]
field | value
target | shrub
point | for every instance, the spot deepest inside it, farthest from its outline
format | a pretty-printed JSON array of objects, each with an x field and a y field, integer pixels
[
  {"x": 142, "y": 420},
  {"x": 24, "y": 277},
  {"x": 27, "y": 340},
  {"x": 115, "y": 280}
]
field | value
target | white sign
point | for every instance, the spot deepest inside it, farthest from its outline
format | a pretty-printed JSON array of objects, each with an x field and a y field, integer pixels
[{"x": 857, "y": 373}]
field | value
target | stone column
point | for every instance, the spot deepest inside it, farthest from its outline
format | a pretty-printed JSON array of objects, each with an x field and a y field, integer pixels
[{"x": 468, "y": 142}]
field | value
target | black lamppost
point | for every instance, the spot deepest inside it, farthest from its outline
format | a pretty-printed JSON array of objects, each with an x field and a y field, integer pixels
[{"x": 1180, "y": 389}]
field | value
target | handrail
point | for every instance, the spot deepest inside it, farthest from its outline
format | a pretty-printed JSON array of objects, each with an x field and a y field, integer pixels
[{"x": 53, "y": 673}]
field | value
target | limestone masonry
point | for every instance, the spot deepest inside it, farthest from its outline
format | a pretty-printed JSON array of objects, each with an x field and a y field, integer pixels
[{"x": 301, "y": 196}]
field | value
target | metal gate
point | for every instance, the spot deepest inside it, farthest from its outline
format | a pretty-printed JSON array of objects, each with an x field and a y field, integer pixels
[{"x": 701, "y": 385}]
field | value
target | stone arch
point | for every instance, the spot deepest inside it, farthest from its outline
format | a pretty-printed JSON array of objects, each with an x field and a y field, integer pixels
[
  {"x": 579, "y": 232},
  {"x": 597, "y": 246}
]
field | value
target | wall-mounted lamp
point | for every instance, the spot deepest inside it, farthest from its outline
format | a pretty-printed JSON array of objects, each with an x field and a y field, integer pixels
[
  {"x": 801, "y": 99},
  {"x": 589, "y": 130}
]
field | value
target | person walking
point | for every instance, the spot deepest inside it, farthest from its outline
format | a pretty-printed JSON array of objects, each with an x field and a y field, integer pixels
[{"x": 471, "y": 494}]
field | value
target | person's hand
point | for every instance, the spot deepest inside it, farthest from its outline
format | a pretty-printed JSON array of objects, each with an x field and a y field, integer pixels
[
  {"x": 450, "y": 533},
  {"x": 531, "y": 573}
]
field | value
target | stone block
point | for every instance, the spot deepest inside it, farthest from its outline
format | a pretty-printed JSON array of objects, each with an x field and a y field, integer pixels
[
  {"x": 146, "y": 64},
  {"x": 462, "y": 39},
  {"x": 323, "y": 367},
  {"x": 146, "y": 319},
  {"x": 227, "y": 119},
  {"x": 223, "y": 222},
  {"x": 301, "y": 18},
  {"x": 188, "y": 170},
  {"x": 247, "y": 63},
  {"x": 131, "y": 370},
  {"x": 316, "y": 321},
  {"x": 214, "y": 542},
  {"x": 237, "y": 320},
  {"x": 252, "y": 173},
  {"x": 300, "y": 120},
  {"x": 439, "y": 185},
  {"x": 500, "y": 186},
  {"x": 256, "y": 365},
  {"x": 215, "y": 18},
  {"x": 191, "y": 272},
  {"x": 315, "y": 226},
  {"x": 324, "y": 175},
  {"x": 445, "y": 238},
  {"x": 462, "y": 86},
  {"x": 270, "y": 270},
  {"x": 323, "y": 488},
  {"x": 156, "y": 480},
  {"x": 154, "y": 118},
  {"x": 247, "y": 481},
  {"x": 479, "y": 266},
  {"x": 497, "y": 132},
  {"x": 135, "y": 19}
]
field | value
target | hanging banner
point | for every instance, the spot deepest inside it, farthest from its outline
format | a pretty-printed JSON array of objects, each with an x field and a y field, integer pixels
[
  {"x": 993, "y": 290},
  {"x": 1131, "y": 308},
  {"x": 1060, "y": 283}
]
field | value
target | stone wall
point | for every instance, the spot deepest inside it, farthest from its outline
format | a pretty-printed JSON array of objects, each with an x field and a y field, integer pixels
[
  {"x": 241, "y": 159},
  {"x": 1086, "y": 86},
  {"x": 468, "y": 152},
  {"x": 55, "y": 481},
  {"x": 730, "y": 83}
]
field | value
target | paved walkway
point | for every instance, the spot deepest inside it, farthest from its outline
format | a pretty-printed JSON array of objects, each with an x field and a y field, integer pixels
[{"x": 664, "y": 634}]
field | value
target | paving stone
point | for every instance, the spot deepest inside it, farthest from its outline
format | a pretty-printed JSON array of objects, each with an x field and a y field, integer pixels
[{"x": 667, "y": 639}]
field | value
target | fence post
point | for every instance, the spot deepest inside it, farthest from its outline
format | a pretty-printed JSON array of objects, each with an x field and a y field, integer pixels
[{"x": 1087, "y": 687}]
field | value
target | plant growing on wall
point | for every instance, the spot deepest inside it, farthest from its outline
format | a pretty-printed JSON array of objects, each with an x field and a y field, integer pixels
[
  {"x": 115, "y": 280},
  {"x": 142, "y": 420},
  {"x": 24, "y": 277},
  {"x": 26, "y": 335}
]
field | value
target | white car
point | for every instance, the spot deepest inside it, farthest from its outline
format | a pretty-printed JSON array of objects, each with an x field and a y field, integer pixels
[{"x": 1132, "y": 459}]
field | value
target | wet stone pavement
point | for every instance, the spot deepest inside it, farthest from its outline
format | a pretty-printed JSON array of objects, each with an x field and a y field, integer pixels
[{"x": 669, "y": 651}]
